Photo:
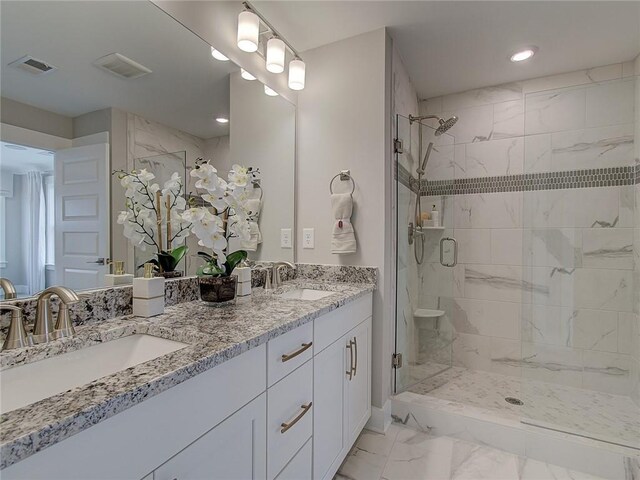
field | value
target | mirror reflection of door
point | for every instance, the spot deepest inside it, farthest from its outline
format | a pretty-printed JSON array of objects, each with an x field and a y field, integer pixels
[{"x": 82, "y": 216}]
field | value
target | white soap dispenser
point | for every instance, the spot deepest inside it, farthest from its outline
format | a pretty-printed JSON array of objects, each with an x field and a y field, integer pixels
[
  {"x": 435, "y": 217},
  {"x": 118, "y": 277},
  {"x": 148, "y": 293},
  {"x": 243, "y": 289}
]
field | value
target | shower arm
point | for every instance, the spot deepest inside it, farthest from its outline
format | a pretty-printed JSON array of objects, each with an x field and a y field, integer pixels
[{"x": 420, "y": 118}]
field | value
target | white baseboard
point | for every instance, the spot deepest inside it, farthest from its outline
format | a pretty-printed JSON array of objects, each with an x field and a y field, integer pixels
[{"x": 380, "y": 418}]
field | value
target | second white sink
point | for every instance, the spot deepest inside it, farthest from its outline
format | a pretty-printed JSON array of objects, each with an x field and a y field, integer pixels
[
  {"x": 306, "y": 294},
  {"x": 26, "y": 384}
]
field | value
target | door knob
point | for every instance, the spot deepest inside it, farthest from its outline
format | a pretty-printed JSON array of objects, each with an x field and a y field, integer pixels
[{"x": 100, "y": 261}]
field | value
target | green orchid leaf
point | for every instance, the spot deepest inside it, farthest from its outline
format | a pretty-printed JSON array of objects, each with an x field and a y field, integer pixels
[{"x": 233, "y": 259}]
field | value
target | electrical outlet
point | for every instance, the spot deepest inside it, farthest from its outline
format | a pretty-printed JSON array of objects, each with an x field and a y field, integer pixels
[
  {"x": 285, "y": 238},
  {"x": 307, "y": 238}
]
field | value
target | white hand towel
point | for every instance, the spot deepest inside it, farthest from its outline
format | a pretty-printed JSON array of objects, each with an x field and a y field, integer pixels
[
  {"x": 344, "y": 239},
  {"x": 253, "y": 206}
]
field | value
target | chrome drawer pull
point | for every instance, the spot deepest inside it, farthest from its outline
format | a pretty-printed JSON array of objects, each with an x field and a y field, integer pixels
[
  {"x": 355, "y": 364},
  {"x": 350, "y": 370},
  {"x": 287, "y": 426},
  {"x": 289, "y": 356}
]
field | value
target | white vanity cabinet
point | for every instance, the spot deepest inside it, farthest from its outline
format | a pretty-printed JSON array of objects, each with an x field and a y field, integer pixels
[
  {"x": 287, "y": 410},
  {"x": 341, "y": 385}
]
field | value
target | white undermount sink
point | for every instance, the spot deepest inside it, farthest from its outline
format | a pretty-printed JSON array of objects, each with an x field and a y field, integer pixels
[
  {"x": 306, "y": 294},
  {"x": 26, "y": 384}
]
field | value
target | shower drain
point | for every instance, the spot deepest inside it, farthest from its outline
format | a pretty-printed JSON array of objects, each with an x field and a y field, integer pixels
[{"x": 514, "y": 401}]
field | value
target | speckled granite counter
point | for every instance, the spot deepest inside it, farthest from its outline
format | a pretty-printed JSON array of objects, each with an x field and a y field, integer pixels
[{"x": 214, "y": 336}]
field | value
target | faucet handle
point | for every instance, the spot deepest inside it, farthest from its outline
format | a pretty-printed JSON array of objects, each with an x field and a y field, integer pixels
[{"x": 16, "y": 336}]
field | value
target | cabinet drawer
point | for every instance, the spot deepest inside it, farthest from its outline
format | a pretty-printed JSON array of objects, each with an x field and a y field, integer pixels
[
  {"x": 300, "y": 467},
  {"x": 330, "y": 327},
  {"x": 287, "y": 352},
  {"x": 289, "y": 402}
]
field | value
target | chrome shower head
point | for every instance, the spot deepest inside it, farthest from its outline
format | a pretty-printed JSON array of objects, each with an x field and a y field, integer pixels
[{"x": 445, "y": 125}]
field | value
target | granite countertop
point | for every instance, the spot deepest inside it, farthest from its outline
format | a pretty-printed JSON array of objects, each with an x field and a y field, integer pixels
[{"x": 214, "y": 335}]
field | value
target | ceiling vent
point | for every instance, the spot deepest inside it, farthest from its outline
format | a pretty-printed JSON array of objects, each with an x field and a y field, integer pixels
[
  {"x": 33, "y": 65},
  {"x": 121, "y": 66}
]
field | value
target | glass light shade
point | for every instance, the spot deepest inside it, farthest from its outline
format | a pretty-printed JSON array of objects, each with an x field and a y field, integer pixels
[
  {"x": 275, "y": 55},
  {"x": 248, "y": 31},
  {"x": 270, "y": 92},
  {"x": 246, "y": 75},
  {"x": 296, "y": 74},
  {"x": 218, "y": 55}
]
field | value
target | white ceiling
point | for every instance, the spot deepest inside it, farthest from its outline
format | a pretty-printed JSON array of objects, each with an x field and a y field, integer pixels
[
  {"x": 186, "y": 90},
  {"x": 23, "y": 160},
  {"x": 451, "y": 46}
]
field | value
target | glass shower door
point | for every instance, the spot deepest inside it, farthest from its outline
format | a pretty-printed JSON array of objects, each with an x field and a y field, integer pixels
[{"x": 424, "y": 286}]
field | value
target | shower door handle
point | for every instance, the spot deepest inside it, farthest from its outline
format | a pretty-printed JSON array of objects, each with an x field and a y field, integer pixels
[{"x": 455, "y": 252}]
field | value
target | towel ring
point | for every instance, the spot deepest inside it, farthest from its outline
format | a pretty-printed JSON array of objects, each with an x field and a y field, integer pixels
[{"x": 344, "y": 176}]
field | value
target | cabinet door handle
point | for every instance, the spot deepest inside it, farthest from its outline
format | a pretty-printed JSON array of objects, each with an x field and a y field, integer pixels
[
  {"x": 289, "y": 356},
  {"x": 355, "y": 364},
  {"x": 296, "y": 419},
  {"x": 350, "y": 370}
]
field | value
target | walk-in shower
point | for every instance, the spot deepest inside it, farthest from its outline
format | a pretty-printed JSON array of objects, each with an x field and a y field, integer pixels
[{"x": 415, "y": 229}]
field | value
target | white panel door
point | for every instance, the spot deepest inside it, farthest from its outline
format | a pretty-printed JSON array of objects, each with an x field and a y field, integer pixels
[
  {"x": 359, "y": 387},
  {"x": 234, "y": 450},
  {"x": 82, "y": 215},
  {"x": 329, "y": 432}
]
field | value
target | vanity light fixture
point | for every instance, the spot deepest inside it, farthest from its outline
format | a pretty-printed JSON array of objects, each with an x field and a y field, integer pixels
[
  {"x": 218, "y": 55},
  {"x": 275, "y": 55},
  {"x": 296, "y": 74},
  {"x": 523, "y": 55},
  {"x": 270, "y": 92},
  {"x": 252, "y": 26},
  {"x": 246, "y": 75},
  {"x": 222, "y": 120},
  {"x": 248, "y": 31}
]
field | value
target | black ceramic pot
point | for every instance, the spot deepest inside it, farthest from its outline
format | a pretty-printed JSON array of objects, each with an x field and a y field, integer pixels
[{"x": 217, "y": 291}]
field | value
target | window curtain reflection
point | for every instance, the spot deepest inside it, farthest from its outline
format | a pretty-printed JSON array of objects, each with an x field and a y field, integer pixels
[{"x": 34, "y": 231}]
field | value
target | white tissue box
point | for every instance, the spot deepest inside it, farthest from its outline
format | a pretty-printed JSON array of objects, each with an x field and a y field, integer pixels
[{"x": 143, "y": 307}]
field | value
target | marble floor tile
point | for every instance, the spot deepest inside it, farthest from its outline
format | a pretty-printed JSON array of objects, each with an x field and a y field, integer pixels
[
  {"x": 612, "y": 418},
  {"x": 406, "y": 454}
]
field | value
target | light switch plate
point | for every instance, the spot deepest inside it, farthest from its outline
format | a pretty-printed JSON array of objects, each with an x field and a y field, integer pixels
[
  {"x": 308, "y": 238},
  {"x": 285, "y": 238}
]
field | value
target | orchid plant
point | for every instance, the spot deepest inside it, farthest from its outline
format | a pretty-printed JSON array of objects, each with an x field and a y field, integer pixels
[
  {"x": 224, "y": 217},
  {"x": 153, "y": 217}
]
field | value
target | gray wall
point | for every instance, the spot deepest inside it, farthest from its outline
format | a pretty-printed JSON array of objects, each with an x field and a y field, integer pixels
[{"x": 32, "y": 118}]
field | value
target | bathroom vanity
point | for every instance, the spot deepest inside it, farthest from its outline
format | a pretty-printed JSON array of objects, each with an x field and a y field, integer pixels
[{"x": 278, "y": 388}]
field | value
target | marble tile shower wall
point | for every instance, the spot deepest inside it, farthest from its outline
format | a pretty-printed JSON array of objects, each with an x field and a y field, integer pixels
[{"x": 547, "y": 279}]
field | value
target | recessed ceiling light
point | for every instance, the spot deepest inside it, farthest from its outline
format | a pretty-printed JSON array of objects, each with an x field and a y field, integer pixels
[
  {"x": 246, "y": 75},
  {"x": 14, "y": 147},
  {"x": 222, "y": 120},
  {"x": 218, "y": 55},
  {"x": 270, "y": 91},
  {"x": 522, "y": 55}
]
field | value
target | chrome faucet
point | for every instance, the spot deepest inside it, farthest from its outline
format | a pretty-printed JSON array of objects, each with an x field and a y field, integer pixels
[
  {"x": 272, "y": 277},
  {"x": 16, "y": 336},
  {"x": 43, "y": 330},
  {"x": 276, "y": 280},
  {"x": 8, "y": 289}
]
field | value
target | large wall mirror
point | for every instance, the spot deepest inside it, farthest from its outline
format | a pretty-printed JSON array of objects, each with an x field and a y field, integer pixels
[{"x": 91, "y": 87}]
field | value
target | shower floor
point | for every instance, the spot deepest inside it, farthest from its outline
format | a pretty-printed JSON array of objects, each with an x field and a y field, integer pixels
[{"x": 598, "y": 415}]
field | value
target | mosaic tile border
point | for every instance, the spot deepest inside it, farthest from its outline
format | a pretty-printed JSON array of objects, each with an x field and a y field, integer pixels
[{"x": 589, "y": 178}]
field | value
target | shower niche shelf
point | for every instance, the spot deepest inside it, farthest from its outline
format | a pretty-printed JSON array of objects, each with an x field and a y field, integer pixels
[{"x": 427, "y": 313}]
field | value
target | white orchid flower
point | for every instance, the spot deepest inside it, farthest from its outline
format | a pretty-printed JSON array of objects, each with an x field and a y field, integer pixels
[{"x": 238, "y": 175}]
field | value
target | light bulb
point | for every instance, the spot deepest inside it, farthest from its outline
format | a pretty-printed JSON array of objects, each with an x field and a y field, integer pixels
[
  {"x": 248, "y": 31},
  {"x": 246, "y": 75},
  {"x": 275, "y": 55},
  {"x": 523, "y": 55},
  {"x": 218, "y": 55},
  {"x": 270, "y": 92},
  {"x": 296, "y": 74},
  {"x": 222, "y": 120}
]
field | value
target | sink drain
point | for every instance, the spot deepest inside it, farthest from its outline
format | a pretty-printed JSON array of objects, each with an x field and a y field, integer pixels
[{"x": 514, "y": 401}]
